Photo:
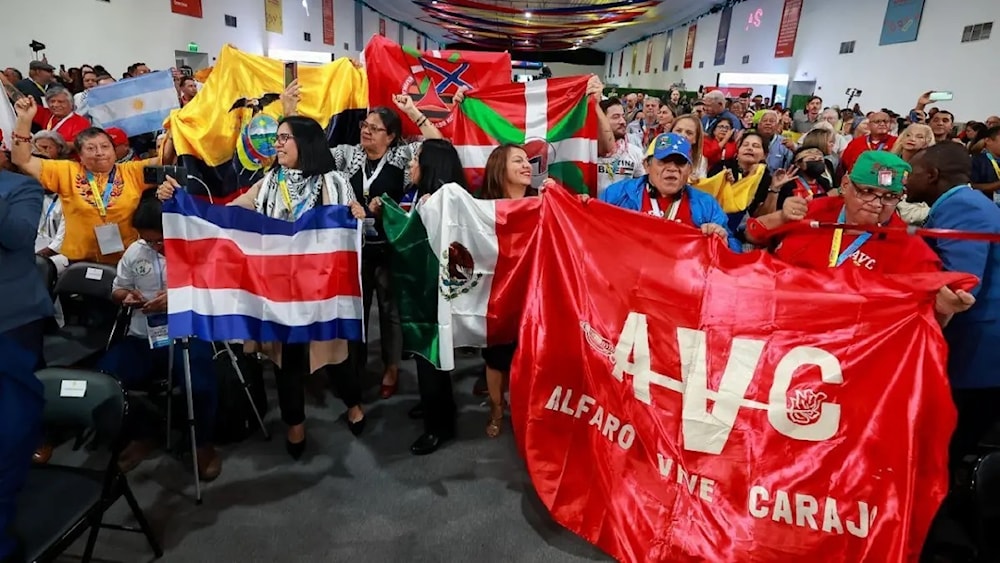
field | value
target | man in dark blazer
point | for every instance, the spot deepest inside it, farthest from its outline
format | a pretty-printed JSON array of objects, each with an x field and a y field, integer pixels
[
  {"x": 24, "y": 307},
  {"x": 940, "y": 178}
]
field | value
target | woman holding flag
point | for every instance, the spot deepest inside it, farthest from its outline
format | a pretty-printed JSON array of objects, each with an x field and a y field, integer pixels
[
  {"x": 378, "y": 166},
  {"x": 303, "y": 178}
]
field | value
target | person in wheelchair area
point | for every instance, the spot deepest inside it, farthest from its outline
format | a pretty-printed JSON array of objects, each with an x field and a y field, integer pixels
[{"x": 143, "y": 355}]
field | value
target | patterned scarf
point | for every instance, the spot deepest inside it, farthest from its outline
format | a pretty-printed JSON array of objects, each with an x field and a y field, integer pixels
[{"x": 304, "y": 193}]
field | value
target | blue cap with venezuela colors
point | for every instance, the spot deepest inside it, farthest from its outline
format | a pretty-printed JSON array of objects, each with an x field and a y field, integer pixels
[{"x": 669, "y": 144}]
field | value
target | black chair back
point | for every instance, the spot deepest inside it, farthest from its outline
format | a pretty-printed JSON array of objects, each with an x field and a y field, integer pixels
[
  {"x": 48, "y": 271},
  {"x": 84, "y": 291},
  {"x": 84, "y": 400}
]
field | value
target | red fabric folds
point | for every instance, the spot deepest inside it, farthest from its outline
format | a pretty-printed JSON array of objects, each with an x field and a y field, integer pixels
[{"x": 677, "y": 402}]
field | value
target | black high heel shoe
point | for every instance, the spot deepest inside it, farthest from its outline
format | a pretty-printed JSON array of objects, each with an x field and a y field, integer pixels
[
  {"x": 295, "y": 449},
  {"x": 356, "y": 428}
]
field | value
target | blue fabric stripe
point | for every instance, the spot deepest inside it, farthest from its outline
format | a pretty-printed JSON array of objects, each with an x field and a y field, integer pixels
[
  {"x": 130, "y": 88},
  {"x": 139, "y": 124},
  {"x": 240, "y": 327},
  {"x": 231, "y": 217}
]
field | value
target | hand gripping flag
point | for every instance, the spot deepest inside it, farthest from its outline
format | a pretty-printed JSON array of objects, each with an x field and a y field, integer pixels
[
  {"x": 553, "y": 119},
  {"x": 678, "y": 402},
  {"x": 225, "y": 135},
  {"x": 431, "y": 78},
  {"x": 234, "y": 274}
]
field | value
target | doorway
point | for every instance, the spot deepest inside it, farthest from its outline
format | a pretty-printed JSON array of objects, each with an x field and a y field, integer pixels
[{"x": 196, "y": 61}]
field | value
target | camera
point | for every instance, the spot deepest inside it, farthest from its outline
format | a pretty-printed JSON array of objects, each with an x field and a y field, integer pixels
[
  {"x": 36, "y": 46},
  {"x": 156, "y": 175}
]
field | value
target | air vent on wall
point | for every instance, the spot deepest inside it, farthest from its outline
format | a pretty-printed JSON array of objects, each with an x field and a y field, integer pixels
[
  {"x": 701, "y": 64},
  {"x": 847, "y": 47},
  {"x": 977, "y": 32},
  {"x": 746, "y": 59},
  {"x": 307, "y": 37},
  {"x": 230, "y": 21}
]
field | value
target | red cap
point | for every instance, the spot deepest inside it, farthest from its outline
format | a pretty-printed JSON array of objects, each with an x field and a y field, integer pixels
[{"x": 118, "y": 137}]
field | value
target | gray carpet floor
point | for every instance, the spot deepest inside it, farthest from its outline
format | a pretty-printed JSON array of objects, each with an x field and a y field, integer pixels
[{"x": 351, "y": 499}]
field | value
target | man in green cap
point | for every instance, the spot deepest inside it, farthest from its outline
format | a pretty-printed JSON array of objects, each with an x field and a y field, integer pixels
[{"x": 871, "y": 192}]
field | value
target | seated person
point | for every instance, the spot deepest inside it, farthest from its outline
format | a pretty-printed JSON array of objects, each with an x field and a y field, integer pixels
[
  {"x": 51, "y": 232},
  {"x": 143, "y": 354}
]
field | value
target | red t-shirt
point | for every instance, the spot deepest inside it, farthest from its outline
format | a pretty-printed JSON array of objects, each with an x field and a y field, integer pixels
[
  {"x": 69, "y": 127},
  {"x": 897, "y": 254},
  {"x": 860, "y": 145},
  {"x": 683, "y": 214}
]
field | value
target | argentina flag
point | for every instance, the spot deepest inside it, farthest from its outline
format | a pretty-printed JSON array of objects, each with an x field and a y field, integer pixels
[{"x": 135, "y": 105}]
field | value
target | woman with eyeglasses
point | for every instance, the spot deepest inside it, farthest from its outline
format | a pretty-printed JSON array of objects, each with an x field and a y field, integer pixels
[
  {"x": 434, "y": 164},
  {"x": 720, "y": 144},
  {"x": 378, "y": 166},
  {"x": 912, "y": 140},
  {"x": 304, "y": 176}
]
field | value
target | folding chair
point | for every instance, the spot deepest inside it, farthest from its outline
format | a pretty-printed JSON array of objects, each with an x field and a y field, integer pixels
[
  {"x": 84, "y": 290},
  {"x": 58, "y": 502},
  {"x": 48, "y": 272},
  {"x": 986, "y": 491}
]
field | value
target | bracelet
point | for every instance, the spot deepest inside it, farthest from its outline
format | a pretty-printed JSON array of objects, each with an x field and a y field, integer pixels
[
  {"x": 777, "y": 191},
  {"x": 423, "y": 121},
  {"x": 22, "y": 138}
]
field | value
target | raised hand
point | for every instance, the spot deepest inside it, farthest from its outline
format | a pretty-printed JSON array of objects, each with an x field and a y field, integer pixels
[
  {"x": 794, "y": 209},
  {"x": 290, "y": 98},
  {"x": 26, "y": 108},
  {"x": 166, "y": 190}
]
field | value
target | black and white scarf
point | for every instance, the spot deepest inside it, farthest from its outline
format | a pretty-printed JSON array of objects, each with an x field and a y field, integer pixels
[{"x": 305, "y": 193}]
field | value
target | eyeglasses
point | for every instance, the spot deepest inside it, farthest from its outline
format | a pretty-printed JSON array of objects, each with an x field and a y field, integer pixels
[
  {"x": 373, "y": 128},
  {"x": 283, "y": 138},
  {"x": 868, "y": 194},
  {"x": 879, "y": 121}
]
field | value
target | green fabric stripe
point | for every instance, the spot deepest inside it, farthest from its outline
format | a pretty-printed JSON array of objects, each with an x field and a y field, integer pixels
[
  {"x": 415, "y": 272},
  {"x": 570, "y": 124},
  {"x": 411, "y": 51},
  {"x": 491, "y": 122},
  {"x": 454, "y": 58},
  {"x": 569, "y": 175},
  {"x": 424, "y": 85}
]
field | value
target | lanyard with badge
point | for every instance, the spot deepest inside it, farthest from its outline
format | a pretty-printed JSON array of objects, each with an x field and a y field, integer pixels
[
  {"x": 295, "y": 211},
  {"x": 156, "y": 323},
  {"x": 46, "y": 231},
  {"x": 366, "y": 183},
  {"x": 49, "y": 127},
  {"x": 993, "y": 161},
  {"x": 671, "y": 212},
  {"x": 109, "y": 237},
  {"x": 878, "y": 147},
  {"x": 837, "y": 258}
]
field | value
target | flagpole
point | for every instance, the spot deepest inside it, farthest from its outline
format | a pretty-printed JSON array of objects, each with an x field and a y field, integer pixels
[{"x": 909, "y": 230}]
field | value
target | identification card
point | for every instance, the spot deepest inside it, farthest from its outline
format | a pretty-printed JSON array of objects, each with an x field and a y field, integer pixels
[
  {"x": 109, "y": 238},
  {"x": 156, "y": 330},
  {"x": 369, "y": 227},
  {"x": 42, "y": 242},
  {"x": 73, "y": 388}
]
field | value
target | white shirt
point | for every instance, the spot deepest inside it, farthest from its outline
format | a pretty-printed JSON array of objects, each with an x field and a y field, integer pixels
[
  {"x": 51, "y": 226},
  {"x": 625, "y": 163},
  {"x": 144, "y": 269}
]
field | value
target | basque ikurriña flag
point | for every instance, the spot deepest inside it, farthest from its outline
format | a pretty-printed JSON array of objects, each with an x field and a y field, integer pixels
[
  {"x": 553, "y": 119},
  {"x": 234, "y": 274}
]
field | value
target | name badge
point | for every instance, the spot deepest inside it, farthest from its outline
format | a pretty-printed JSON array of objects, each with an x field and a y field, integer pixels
[
  {"x": 156, "y": 330},
  {"x": 369, "y": 227},
  {"x": 109, "y": 239}
]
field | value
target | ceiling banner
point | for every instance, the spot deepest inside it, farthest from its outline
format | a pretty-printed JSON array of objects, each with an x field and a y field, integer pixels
[
  {"x": 689, "y": 48},
  {"x": 381, "y": 27},
  {"x": 789, "y": 29},
  {"x": 329, "y": 35},
  {"x": 621, "y": 61},
  {"x": 649, "y": 55},
  {"x": 272, "y": 16},
  {"x": 666, "y": 50},
  {"x": 722, "y": 43},
  {"x": 635, "y": 56},
  {"x": 902, "y": 21},
  {"x": 186, "y": 7}
]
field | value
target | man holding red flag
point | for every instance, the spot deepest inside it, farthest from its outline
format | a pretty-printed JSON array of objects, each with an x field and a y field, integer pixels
[{"x": 870, "y": 195}]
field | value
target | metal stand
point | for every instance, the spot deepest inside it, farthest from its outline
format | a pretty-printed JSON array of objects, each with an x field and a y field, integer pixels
[
  {"x": 186, "y": 355},
  {"x": 246, "y": 387}
]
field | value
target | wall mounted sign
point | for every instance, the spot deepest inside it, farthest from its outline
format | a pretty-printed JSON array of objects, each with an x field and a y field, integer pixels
[
  {"x": 902, "y": 21},
  {"x": 186, "y": 7},
  {"x": 689, "y": 48},
  {"x": 788, "y": 32}
]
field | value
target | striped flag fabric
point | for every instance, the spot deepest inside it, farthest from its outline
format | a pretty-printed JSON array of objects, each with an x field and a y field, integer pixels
[
  {"x": 135, "y": 105},
  {"x": 553, "y": 119},
  {"x": 460, "y": 270},
  {"x": 7, "y": 120},
  {"x": 234, "y": 274}
]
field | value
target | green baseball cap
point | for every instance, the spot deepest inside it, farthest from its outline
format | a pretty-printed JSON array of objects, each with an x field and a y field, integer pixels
[{"x": 880, "y": 169}]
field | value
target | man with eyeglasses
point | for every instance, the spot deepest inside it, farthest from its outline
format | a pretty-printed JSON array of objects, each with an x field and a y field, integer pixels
[
  {"x": 878, "y": 140},
  {"x": 870, "y": 195}
]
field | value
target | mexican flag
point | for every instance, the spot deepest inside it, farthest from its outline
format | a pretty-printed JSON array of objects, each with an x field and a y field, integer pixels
[
  {"x": 553, "y": 119},
  {"x": 460, "y": 270}
]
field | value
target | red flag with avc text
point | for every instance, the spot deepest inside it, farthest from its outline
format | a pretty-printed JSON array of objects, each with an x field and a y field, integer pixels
[{"x": 676, "y": 402}]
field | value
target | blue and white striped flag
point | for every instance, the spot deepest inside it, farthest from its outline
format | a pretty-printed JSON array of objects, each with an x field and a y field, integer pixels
[{"x": 135, "y": 105}]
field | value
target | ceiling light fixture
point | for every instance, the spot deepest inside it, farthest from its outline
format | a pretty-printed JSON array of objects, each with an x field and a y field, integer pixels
[{"x": 527, "y": 15}]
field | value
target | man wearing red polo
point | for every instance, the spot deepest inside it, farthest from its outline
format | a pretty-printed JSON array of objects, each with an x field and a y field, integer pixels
[{"x": 878, "y": 140}]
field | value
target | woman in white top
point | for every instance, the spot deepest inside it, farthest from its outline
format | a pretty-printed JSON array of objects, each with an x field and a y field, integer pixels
[
  {"x": 690, "y": 127},
  {"x": 307, "y": 170}
]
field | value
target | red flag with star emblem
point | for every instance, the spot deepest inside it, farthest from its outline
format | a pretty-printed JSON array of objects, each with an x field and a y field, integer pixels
[{"x": 431, "y": 78}]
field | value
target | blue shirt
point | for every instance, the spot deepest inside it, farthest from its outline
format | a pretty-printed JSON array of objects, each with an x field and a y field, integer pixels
[{"x": 24, "y": 295}]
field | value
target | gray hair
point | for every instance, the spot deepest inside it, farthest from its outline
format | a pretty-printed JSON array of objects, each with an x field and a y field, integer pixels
[
  {"x": 55, "y": 138},
  {"x": 55, "y": 91},
  {"x": 715, "y": 95}
]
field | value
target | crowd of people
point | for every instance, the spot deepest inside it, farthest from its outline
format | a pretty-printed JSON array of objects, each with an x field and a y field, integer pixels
[{"x": 72, "y": 192}]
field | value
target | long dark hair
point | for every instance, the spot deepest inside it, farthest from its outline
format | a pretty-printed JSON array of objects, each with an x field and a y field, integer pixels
[
  {"x": 495, "y": 173},
  {"x": 390, "y": 120},
  {"x": 315, "y": 158},
  {"x": 439, "y": 165}
]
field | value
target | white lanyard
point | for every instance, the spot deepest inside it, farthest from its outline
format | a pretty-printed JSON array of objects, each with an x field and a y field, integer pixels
[
  {"x": 367, "y": 180},
  {"x": 60, "y": 124},
  {"x": 671, "y": 213}
]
